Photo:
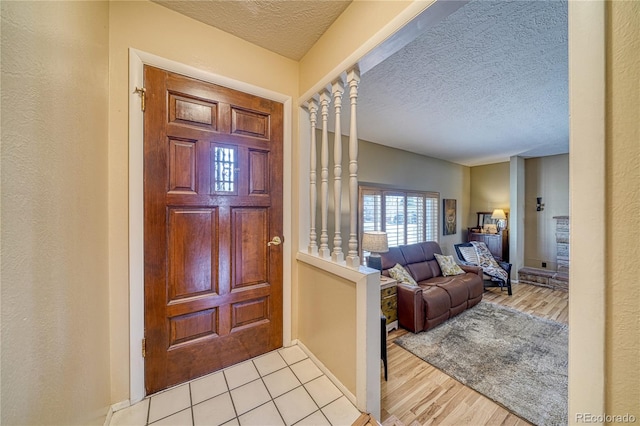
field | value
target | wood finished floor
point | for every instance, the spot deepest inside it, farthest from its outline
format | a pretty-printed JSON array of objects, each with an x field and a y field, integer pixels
[{"x": 418, "y": 394}]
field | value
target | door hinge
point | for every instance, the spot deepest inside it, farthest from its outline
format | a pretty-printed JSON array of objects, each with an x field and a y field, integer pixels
[
  {"x": 143, "y": 95},
  {"x": 144, "y": 348}
]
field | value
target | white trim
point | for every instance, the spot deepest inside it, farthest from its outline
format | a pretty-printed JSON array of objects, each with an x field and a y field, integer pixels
[
  {"x": 136, "y": 231},
  {"x": 121, "y": 405},
  {"x": 338, "y": 269},
  {"x": 587, "y": 209},
  {"x": 137, "y": 60},
  {"x": 368, "y": 336},
  {"x": 304, "y": 172},
  {"x": 116, "y": 407},
  {"x": 107, "y": 419}
]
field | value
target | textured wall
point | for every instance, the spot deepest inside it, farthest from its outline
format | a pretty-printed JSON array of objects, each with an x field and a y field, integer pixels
[
  {"x": 327, "y": 321},
  {"x": 623, "y": 205},
  {"x": 55, "y": 312},
  {"x": 546, "y": 177}
]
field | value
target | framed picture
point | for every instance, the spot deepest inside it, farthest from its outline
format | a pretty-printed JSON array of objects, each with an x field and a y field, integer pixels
[
  {"x": 449, "y": 217},
  {"x": 484, "y": 218}
]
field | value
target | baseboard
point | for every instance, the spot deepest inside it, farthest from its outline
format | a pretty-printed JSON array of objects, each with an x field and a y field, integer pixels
[
  {"x": 351, "y": 397},
  {"x": 116, "y": 407},
  {"x": 107, "y": 421}
]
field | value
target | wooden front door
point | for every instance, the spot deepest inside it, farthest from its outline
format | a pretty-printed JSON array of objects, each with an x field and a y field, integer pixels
[{"x": 212, "y": 202}]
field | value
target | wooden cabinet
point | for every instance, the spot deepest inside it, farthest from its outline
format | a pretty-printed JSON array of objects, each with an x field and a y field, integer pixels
[
  {"x": 389, "y": 301},
  {"x": 498, "y": 244}
]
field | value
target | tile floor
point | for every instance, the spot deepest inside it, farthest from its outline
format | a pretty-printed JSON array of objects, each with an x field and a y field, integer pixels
[{"x": 283, "y": 387}]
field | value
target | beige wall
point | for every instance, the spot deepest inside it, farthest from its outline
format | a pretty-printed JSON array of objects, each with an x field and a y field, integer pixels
[
  {"x": 155, "y": 29},
  {"x": 383, "y": 165},
  {"x": 327, "y": 321},
  {"x": 546, "y": 177},
  {"x": 489, "y": 189},
  {"x": 55, "y": 305},
  {"x": 623, "y": 207}
]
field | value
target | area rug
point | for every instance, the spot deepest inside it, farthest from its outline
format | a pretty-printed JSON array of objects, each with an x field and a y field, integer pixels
[{"x": 516, "y": 359}]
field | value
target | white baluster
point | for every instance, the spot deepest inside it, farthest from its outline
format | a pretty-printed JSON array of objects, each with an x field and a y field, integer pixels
[
  {"x": 325, "y": 99},
  {"x": 313, "y": 191},
  {"x": 337, "y": 87},
  {"x": 353, "y": 260}
]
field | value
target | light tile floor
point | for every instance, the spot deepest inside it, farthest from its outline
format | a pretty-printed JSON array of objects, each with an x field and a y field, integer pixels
[{"x": 283, "y": 387}]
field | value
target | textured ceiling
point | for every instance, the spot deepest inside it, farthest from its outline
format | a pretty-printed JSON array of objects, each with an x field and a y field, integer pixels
[
  {"x": 488, "y": 82},
  {"x": 287, "y": 27},
  {"x": 469, "y": 82}
]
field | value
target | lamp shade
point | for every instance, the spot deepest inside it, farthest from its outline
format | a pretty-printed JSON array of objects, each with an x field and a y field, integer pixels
[
  {"x": 375, "y": 242},
  {"x": 498, "y": 214}
]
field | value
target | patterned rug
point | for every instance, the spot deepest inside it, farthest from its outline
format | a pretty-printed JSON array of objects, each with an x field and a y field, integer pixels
[{"x": 515, "y": 359}]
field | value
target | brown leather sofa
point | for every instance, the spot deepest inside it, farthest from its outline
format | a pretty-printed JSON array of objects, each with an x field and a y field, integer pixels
[{"x": 436, "y": 298}]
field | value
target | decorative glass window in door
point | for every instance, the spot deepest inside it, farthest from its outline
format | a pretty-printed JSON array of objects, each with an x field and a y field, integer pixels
[{"x": 223, "y": 179}]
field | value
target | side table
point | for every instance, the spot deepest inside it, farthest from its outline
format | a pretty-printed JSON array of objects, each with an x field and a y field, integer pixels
[{"x": 389, "y": 301}]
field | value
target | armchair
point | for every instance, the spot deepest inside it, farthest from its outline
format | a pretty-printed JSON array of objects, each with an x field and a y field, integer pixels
[{"x": 466, "y": 253}]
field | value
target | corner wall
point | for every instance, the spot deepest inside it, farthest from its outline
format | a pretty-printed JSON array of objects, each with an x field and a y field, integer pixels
[
  {"x": 623, "y": 204},
  {"x": 327, "y": 321},
  {"x": 548, "y": 178},
  {"x": 55, "y": 277}
]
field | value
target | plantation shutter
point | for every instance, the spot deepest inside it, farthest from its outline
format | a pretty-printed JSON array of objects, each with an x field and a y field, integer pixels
[{"x": 407, "y": 217}]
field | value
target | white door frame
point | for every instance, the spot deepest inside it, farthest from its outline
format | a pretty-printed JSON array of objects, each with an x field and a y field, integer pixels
[{"x": 137, "y": 60}]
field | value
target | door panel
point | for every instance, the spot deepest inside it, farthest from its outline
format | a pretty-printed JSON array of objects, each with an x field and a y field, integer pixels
[
  {"x": 213, "y": 200},
  {"x": 182, "y": 166},
  {"x": 258, "y": 172},
  {"x": 249, "y": 123},
  {"x": 188, "y": 327},
  {"x": 249, "y": 243},
  {"x": 193, "y": 254}
]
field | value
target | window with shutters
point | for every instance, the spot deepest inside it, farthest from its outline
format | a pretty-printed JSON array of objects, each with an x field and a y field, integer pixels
[{"x": 406, "y": 216}]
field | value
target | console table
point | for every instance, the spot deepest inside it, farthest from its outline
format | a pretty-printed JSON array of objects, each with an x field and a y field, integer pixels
[
  {"x": 389, "y": 317},
  {"x": 389, "y": 301}
]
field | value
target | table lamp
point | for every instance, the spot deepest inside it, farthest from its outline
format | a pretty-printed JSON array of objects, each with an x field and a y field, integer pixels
[
  {"x": 499, "y": 215},
  {"x": 375, "y": 242}
]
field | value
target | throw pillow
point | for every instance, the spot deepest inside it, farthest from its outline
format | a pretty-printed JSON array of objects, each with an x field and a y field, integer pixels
[
  {"x": 448, "y": 266},
  {"x": 401, "y": 275},
  {"x": 469, "y": 255}
]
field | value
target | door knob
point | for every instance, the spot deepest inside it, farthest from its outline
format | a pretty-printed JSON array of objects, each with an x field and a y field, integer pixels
[{"x": 276, "y": 241}]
